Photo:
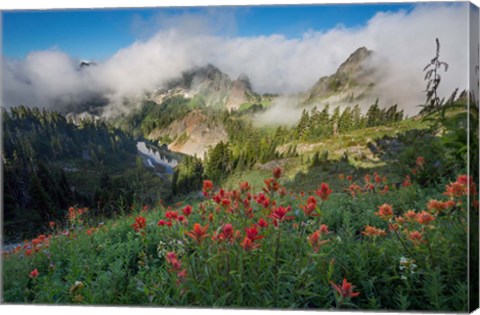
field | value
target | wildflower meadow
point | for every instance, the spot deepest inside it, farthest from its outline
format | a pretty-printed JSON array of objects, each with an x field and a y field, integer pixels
[{"x": 371, "y": 245}]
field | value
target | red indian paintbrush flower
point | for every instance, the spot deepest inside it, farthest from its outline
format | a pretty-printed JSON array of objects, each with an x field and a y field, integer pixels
[
  {"x": 198, "y": 233},
  {"x": 393, "y": 227},
  {"x": 385, "y": 212},
  {"x": 226, "y": 202},
  {"x": 384, "y": 190},
  {"x": 244, "y": 186},
  {"x": 262, "y": 223},
  {"x": 140, "y": 223},
  {"x": 187, "y": 210},
  {"x": 315, "y": 242},
  {"x": 410, "y": 215},
  {"x": 174, "y": 262},
  {"x": 312, "y": 199},
  {"x": 467, "y": 181},
  {"x": 228, "y": 234},
  {"x": 373, "y": 231},
  {"x": 182, "y": 274},
  {"x": 309, "y": 208},
  {"x": 172, "y": 215},
  {"x": 91, "y": 231},
  {"x": 217, "y": 198},
  {"x": 246, "y": 203},
  {"x": 252, "y": 233},
  {"x": 455, "y": 189},
  {"x": 271, "y": 185},
  {"x": 367, "y": 178},
  {"x": 424, "y": 218},
  {"x": 170, "y": 256},
  {"x": 436, "y": 206},
  {"x": 345, "y": 290},
  {"x": 277, "y": 172},
  {"x": 261, "y": 199},
  {"x": 314, "y": 237},
  {"x": 407, "y": 181},
  {"x": 71, "y": 214},
  {"x": 324, "y": 229},
  {"x": 207, "y": 187},
  {"x": 416, "y": 237},
  {"x": 249, "y": 245},
  {"x": 354, "y": 189},
  {"x": 463, "y": 186},
  {"x": 324, "y": 191},
  {"x": 279, "y": 213},
  {"x": 34, "y": 273}
]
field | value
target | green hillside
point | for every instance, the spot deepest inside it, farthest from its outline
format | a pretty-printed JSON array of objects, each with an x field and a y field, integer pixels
[{"x": 51, "y": 163}]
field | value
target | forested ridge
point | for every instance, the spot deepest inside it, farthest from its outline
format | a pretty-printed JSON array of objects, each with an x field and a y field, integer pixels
[{"x": 51, "y": 162}]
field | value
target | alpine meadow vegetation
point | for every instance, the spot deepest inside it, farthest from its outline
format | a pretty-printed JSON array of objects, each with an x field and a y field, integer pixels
[
  {"x": 347, "y": 209},
  {"x": 371, "y": 245}
]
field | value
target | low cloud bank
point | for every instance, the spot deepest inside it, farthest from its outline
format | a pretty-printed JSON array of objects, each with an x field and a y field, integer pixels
[{"x": 404, "y": 43}]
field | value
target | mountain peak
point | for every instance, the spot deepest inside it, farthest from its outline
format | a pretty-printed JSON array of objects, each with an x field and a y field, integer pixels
[
  {"x": 86, "y": 63},
  {"x": 243, "y": 81},
  {"x": 208, "y": 75},
  {"x": 355, "y": 61},
  {"x": 352, "y": 80}
]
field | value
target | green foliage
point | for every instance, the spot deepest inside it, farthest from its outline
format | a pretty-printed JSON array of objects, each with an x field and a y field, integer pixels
[
  {"x": 188, "y": 176},
  {"x": 114, "y": 264},
  {"x": 404, "y": 150},
  {"x": 152, "y": 116},
  {"x": 318, "y": 125},
  {"x": 52, "y": 163},
  {"x": 217, "y": 163}
]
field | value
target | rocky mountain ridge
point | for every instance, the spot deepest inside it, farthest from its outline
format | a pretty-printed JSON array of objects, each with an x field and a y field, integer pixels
[
  {"x": 194, "y": 133},
  {"x": 212, "y": 85},
  {"x": 353, "y": 80}
]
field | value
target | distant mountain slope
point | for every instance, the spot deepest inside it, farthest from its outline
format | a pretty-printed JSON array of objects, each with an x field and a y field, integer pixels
[
  {"x": 192, "y": 134},
  {"x": 212, "y": 86},
  {"x": 353, "y": 80},
  {"x": 182, "y": 112}
]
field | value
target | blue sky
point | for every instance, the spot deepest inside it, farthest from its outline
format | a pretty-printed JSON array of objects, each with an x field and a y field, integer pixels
[
  {"x": 97, "y": 34},
  {"x": 402, "y": 37}
]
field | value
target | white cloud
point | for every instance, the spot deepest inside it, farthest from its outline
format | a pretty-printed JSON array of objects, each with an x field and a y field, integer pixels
[{"x": 404, "y": 43}]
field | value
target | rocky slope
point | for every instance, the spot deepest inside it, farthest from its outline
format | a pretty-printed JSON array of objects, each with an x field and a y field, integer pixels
[
  {"x": 192, "y": 134},
  {"x": 214, "y": 87},
  {"x": 353, "y": 81},
  {"x": 209, "y": 87}
]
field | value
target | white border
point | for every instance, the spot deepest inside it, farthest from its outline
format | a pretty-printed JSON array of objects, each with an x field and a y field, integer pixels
[
  {"x": 62, "y": 4},
  {"x": 72, "y": 4}
]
